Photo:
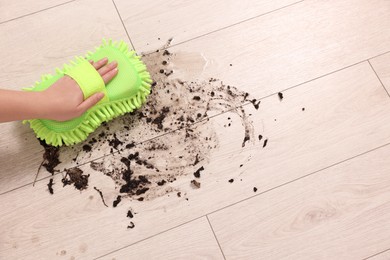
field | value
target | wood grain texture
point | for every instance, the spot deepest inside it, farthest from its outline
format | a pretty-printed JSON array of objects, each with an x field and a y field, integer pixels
[
  {"x": 39, "y": 50},
  {"x": 381, "y": 65},
  {"x": 31, "y": 60},
  {"x": 194, "y": 240},
  {"x": 28, "y": 56},
  {"x": 382, "y": 256},
  {"x": 300, "y": 142},
  {"x": 14, "y": 9},
  {"x": 347, "y": 113},
  {"x": 151, "y": 23},
  {"x": 339, "y": 213},
  {"x": 293, "y": 45}
]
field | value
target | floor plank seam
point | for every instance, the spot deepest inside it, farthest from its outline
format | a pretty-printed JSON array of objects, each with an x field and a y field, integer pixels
[
  {"x": 302, "y": 177},
  {"x": 215, "y": 236},
  {"x": 276, "y": 187},
  {"x": 313, "y": 79},
  {"x": 149, "y": 237},
  {"x": 245, "y": 104},
  {"x": 383, "y": 53},
  {"x": 123, "y": 24},
  {"x": 378, "y": 78},
  {"x": 259, "y": 194},
  {"x": 384, "y": 251},
  {"x": 232, "y": 25},
  {"x": 39, "y": 11}
]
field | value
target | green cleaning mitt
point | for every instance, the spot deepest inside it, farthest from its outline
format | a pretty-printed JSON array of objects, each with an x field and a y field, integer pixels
[{"x": 123, "y": 94}]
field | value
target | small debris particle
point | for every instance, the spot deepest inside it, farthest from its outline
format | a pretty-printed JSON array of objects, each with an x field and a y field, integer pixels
[
  {"x": 161, "y": 183},
  {"x": 179, "y": 194},
  {"x": 162, "y": 71},
  {"x": 260, "y": 137},
  {"x": 197, "y": 98},
  {"x": 255, "y": 103},
  {"x": 197, "y": 173},
  {"x": 168, "y": 74},
  {"x": 115, "y": 142},
  {"x": 254, "y": 189},
  {"x": 131, "y": 225},
  {"x": 231, "y": 64},
  {"x": 195, "y": 184},
  {"x": 50, "y": 186},
  {"x": 76, "y": 177},
  {"x": 101, "y": 196},
  {"x": 130, "y": 145},
  {"x": 166, "y": 52},
  {"x": 231, "y": 180},
  {"x": 265, "y": 143},
  {"x": 303, "y": 109},
  {"x": 141, "y": 191},
  {"x": 164, "y": 62},
  {"x": 246, "y": 138},
  {"x": 87, "y": 148},
  {"x": 117, "y": 201},
  {"x": 280, "y": 94},
  {"x": 241, "y": 165},
  {"x": 130, "y": 214}
]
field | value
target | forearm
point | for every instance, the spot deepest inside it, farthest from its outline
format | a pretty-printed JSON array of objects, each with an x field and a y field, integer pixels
[{"x": 20, "y": 105}]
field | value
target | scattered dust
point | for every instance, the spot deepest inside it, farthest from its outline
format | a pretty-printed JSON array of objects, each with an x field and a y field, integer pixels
[{"x": 174, "y": 120}]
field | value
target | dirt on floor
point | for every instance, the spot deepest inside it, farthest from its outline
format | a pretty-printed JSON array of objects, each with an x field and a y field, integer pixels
[{"x": 175, "y": 117}]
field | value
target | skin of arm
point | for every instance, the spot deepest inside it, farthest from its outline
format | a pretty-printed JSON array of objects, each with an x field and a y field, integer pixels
[{"x": 62, "y": 101}]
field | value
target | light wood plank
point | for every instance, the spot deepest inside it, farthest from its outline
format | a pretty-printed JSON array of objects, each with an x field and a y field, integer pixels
[
  {"x": 151, "y": 27},
  {"x": 44, "y": 56},
  {"x": 286, "y": 47},
  {"x": 383, "y": 256},
  {"x": 13, "y": 9},
  {"x": 194, "y": 240},
  {"x": 31, "y": 56},
  {"x": 340, "y": 213},
  {"x": 382, "y": 68},
  {"x": 39, "y": 50},
  {"x": 299, "y": 143}
]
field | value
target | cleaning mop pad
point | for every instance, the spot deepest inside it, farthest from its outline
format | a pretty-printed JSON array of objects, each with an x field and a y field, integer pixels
[{"x": 124, "y": 93}]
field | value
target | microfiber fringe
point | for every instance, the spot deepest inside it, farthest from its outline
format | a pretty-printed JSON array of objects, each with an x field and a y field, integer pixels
[{"x": 100, "y": 113}]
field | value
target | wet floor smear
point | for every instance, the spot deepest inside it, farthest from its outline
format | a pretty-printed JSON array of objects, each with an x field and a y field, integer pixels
[{"x": 168, "y": 138}]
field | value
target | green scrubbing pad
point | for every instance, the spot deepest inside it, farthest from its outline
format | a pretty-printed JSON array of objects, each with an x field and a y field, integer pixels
[{"x": 123, "y": 94}]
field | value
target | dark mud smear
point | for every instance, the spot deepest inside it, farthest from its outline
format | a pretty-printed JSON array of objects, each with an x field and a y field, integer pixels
[
  {"x": 50, "y": 186},
  {"x": 178, "y": 111},
  {"x": 175, "y": 121},
  {"x": 76, "y": 177},
  {"x": 50, "y": 157}
]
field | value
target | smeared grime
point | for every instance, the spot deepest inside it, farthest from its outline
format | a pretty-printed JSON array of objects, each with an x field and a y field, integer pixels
[{"x": 168, "y": 138}]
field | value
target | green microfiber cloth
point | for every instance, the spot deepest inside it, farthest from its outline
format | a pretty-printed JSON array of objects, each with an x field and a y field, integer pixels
[{"x": 123, "y": 94}]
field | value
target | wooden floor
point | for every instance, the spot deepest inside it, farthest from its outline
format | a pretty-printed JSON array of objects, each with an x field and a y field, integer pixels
[{"x": 323, "y": 180}]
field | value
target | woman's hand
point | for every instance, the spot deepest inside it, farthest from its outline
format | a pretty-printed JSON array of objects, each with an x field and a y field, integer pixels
[
  {"x": 65, "y": 99},
  {"x": 62, "y": 101}
]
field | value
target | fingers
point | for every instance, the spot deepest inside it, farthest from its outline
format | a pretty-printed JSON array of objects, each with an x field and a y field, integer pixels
[
  {"x": 110, "y": 75},
  {"x": 90, "y": 102},
  {"x": 104, "y": 70},
  {"x": 99, "y": 64}
]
